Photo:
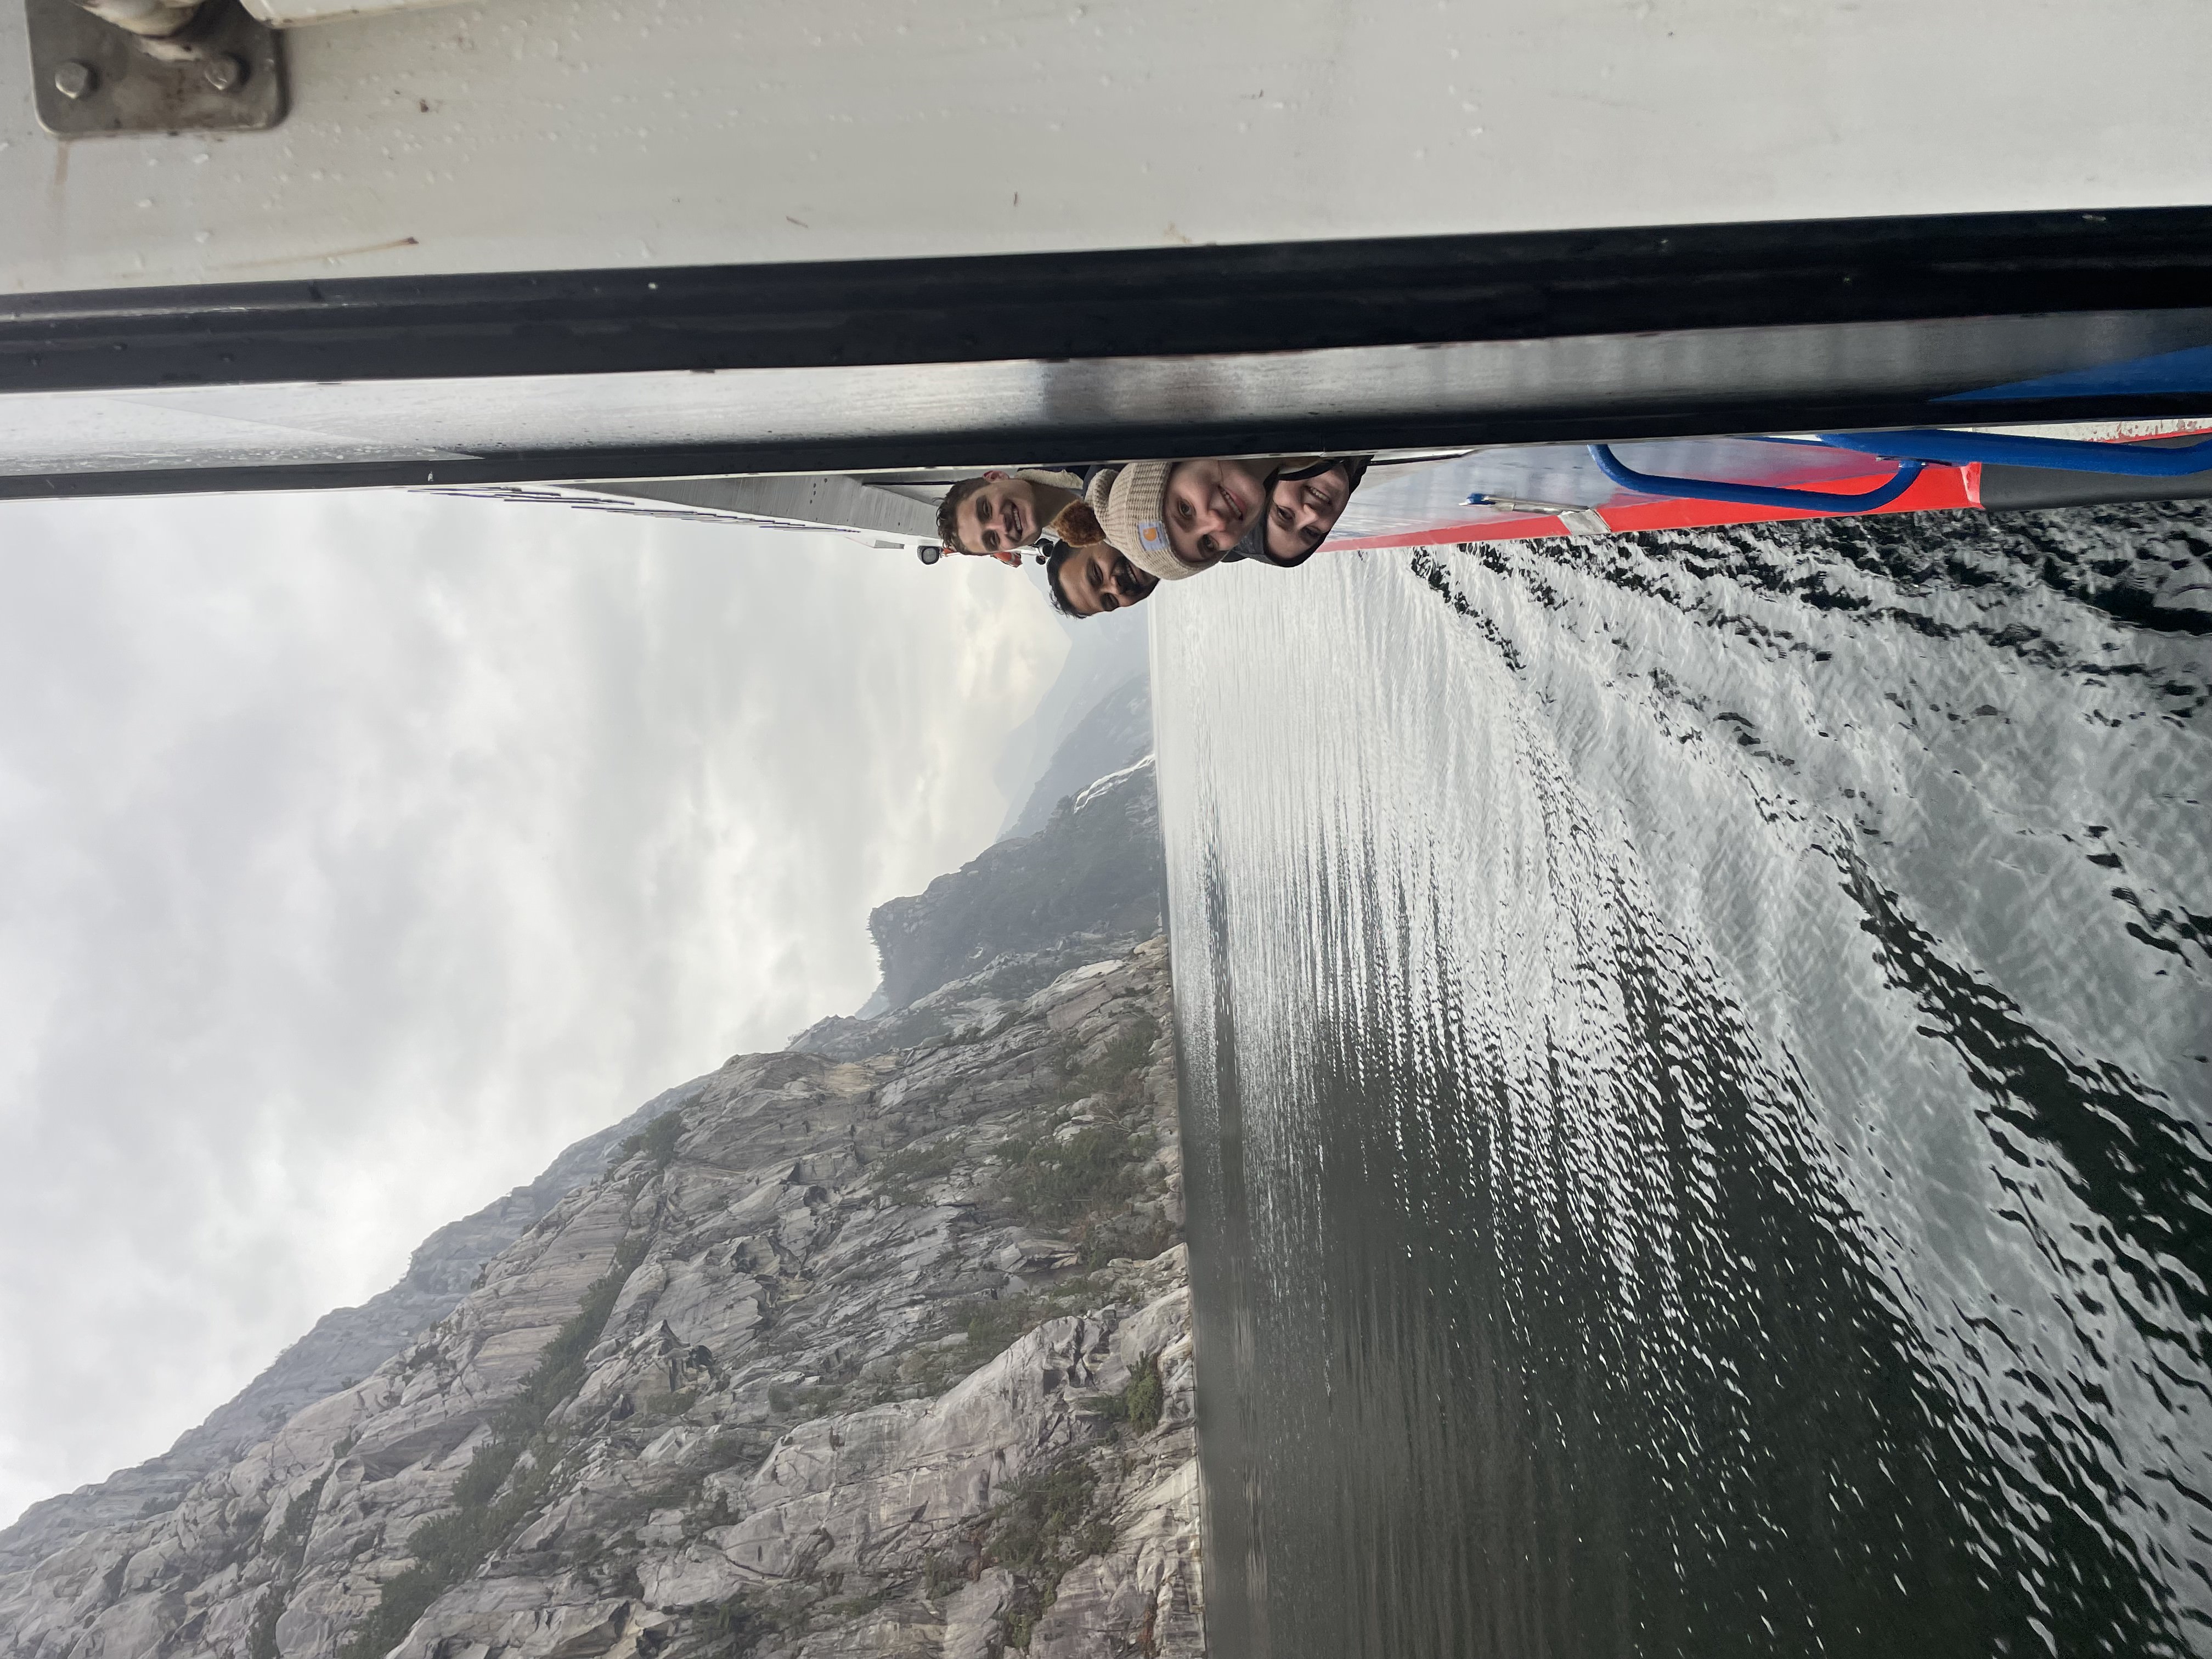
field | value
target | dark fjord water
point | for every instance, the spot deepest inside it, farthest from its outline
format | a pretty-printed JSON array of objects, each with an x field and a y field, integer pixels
[{"x": 1696, "y": 1090}]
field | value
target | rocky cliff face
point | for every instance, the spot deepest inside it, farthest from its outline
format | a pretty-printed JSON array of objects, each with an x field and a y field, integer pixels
[
  {"x": 1093, "y": 878},
  {"x": 886, "y": 1355}
]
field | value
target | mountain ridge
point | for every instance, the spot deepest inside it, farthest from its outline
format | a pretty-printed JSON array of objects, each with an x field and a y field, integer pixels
[
  {"x": 344, "y": 1344},
  {"x": 890, "y": 1355}
]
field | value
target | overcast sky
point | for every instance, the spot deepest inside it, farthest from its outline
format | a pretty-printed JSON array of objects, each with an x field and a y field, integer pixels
[{"x": 357, "y": 852}]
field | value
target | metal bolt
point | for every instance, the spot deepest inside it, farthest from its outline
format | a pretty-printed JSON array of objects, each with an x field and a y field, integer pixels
[
  {"x": 224, "y": 72},
  {"x": 75, "y": 79}
]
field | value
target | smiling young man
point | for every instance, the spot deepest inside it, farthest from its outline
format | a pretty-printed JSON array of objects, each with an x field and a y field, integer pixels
[
  {"x": 1002, "y": 513},
  {"x": 1086, "y": 581}
]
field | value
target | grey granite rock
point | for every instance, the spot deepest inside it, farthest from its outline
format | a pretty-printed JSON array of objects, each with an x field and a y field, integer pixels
[{"x": 887, "y": 1355}]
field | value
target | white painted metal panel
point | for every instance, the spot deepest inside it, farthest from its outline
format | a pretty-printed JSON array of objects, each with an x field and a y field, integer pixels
[
  {"x": 833, "y": 501},
  {"x": 548, "y": 134}
]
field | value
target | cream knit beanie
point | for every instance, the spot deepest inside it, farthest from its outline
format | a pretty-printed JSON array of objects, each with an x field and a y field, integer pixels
[{"x": 1132, "y": 508}]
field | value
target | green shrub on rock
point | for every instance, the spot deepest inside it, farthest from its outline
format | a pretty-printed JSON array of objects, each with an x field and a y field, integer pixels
[
  {"x": 1050, "y": 1182},
  {"x": 1141, "y": 1399},
  {"x": 1045, "y": 1525},
  {"x": 902, "y": 1176},
  {"x": 657, "y": 1139}
]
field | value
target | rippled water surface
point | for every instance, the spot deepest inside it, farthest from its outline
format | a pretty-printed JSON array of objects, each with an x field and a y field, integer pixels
[{"x": 1696, "y": 1086}]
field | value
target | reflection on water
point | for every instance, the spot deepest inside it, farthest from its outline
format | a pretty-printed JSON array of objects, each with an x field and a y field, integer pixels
[{"x": 1696, "y": 1077}]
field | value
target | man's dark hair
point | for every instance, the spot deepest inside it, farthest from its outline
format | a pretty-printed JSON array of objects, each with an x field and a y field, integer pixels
[
  {"x": 1054, "y": 563},
  {"x": 948, "y": 513}
]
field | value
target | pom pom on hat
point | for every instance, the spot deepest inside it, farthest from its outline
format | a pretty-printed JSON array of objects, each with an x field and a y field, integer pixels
[{"x": 1078, "y": 524}]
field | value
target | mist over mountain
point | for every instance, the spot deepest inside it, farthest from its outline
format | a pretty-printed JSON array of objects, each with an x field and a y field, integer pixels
[
  {"x": 1115, "y": 733},
  {"x": 1104, "y": 654},
  {"x": 1095, "y": 880},
  {"x": 1094, "y": 876},
  {"x": 1079, "y": 869}
]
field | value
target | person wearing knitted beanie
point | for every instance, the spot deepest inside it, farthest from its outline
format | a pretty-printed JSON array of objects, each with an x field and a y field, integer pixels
[{"x": 1174, "y": 518}]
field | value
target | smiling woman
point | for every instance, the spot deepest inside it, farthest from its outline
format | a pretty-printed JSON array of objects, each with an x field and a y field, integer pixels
[
  {"x": 1210, "y": 504},
  {"x": 1304, "y": 505},
  {"x": 339, "y": 829},
  {"x": 1174, "y": 518}
]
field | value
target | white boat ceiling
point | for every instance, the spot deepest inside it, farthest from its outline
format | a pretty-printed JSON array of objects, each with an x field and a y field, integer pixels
[{"x": 515, "y": 134}]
